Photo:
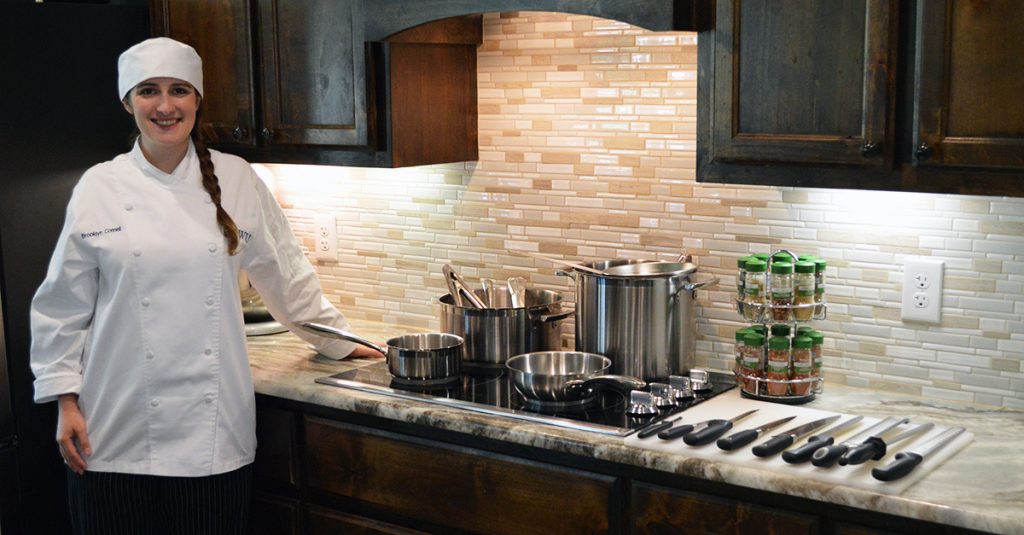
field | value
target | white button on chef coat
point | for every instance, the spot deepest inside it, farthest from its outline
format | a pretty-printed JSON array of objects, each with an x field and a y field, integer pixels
[{"x": 197, "y": 413}]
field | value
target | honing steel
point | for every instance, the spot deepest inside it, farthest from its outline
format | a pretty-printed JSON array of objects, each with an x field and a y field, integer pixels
[
  {"x": 874, "y": 447},
  {"x": 785, "y": 439},
  {"x": 828, "y": 456},
  {"x": 713, "y": 430},
  {"x": 564, "y": 263},
  {"x": 905, "y": 461},
  {"x": 803, "y": 453},
  {"x": 654, "y": 428},
  {"x": 742, "y": 438}
]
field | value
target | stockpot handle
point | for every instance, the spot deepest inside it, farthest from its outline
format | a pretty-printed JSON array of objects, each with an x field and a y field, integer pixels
[
  {"x": 570, "y": 273},
  {"x": 333, "y": 332},
  {"x": 690, "y": 286},
  {"x": 546, "y": 318}
]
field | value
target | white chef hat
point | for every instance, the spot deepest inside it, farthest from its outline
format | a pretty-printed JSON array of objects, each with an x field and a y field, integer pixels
[{"x": 159, "y": 57}]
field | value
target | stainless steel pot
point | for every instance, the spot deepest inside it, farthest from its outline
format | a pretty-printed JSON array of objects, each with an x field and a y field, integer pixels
[
  {"x": 640, "y": 314},
  {"x": 423, "y": 358},
  {"x": 496, "y": 333},
  {"x": 565, "y": 376}
]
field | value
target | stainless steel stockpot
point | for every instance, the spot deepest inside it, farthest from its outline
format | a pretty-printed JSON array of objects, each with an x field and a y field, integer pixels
[
  {"x": 640, "y": 314},
  {"x": 496, "y": 333},
  {"x": 565, "y": 376}
]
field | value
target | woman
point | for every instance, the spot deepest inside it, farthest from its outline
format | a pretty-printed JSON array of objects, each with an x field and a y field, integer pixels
[{"x": 137, "y": 328}]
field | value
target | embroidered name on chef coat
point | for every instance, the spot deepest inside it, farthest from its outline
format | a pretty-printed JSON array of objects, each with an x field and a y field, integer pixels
[
  {"x": 93, "y": 234},
  {"x": 245, "y": 236}
]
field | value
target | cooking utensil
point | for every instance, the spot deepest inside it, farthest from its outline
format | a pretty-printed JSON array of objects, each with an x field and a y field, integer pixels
[
  {"x": 905, "y": 461},
  {"x": 565, "y": 376},
  {"x": 713, "y": 429},
  {"x": 874, "y": 447},
  {"x": 803, "y": 453},
  {"x": 654, "y": 428},
  {"x": 496, "y": 333},
  {"x": 487, "y": 285},
  {"x": 425, "y": 358},
  {"x": 462, "y": 290},
  {"x": 828, "y": 455},
  {"x": 564, "y": 263},
  {"x": 785, "y": 439},
  {"x": 449, "y": 279},
  {"x": 742, "y": 438},
  {"x": 517, "y": 291}
]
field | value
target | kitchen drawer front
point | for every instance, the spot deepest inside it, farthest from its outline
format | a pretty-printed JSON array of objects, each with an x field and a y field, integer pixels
[
  {"x": 453, "y": 486},
  {"x": 322, "y": 521},
  {"x": 659, "y": 509},
  {"x": 277, "y": 452}
]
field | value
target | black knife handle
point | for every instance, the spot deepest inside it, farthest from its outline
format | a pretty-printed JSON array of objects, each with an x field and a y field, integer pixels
[
  {"x": 738, "y": 439},
  {"x": 714, "y": 430},
  {"x": 675, "y": 432},
  {"x": 804, "y": 453},
  {"x": 828, "y": 456},
  {"x": 773, "y": 445},
  {"x": 901, "y": 465},
  {"x": 654, "y": 429},
  {"x": 872, "y": 448}
]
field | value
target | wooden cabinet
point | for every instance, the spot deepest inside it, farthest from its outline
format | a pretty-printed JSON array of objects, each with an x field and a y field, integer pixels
[{"x": 871, "y": 94}]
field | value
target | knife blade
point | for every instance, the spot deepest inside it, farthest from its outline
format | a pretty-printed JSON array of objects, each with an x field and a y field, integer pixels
[
  {"x": 713, "y": 429},
  {"x": 905, "y": 461},
  {"x": 785, "y": 439},
  {"x": 742, "y": 438},
  {"x": 803, "y": 453},
  {"x": 828, "y": 455},
  {"x": 874, "y": 447},
  {"x": 654, "y": 428}
]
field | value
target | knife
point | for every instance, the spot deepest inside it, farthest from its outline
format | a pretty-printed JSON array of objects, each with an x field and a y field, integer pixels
[
  {"x": 828, "y": 456},
  {"x": 654, "y": 428},
  {"x": 784, "y": 440},
  {"x": 905, "y": 461},
  {"x": 742, "y": 438},
  {"x": 803, "y": 453},
  {"x": 713, "y": 429},
  {"x": 874, "y": 447}
]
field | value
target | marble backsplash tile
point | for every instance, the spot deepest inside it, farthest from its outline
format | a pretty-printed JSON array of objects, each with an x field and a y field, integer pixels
[{"x": 587, "y": 150}]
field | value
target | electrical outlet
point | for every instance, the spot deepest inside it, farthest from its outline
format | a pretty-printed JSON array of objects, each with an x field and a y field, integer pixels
[
  {"x": 326, "y": 237},
  {"x": 922, "y": 290}
]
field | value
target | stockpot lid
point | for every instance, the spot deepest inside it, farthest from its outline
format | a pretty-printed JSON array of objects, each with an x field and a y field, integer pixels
[{"x": 642, "y": 269}]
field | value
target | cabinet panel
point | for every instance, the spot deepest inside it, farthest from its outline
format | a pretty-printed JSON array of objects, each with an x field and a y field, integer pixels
[
  {"x": 270, "y": 515},
  {"x": 801, "y": 81},
  {"x": 457, "y": 487},
  {"x": 968, "y": 84},
  {"x": 327, "y": 522},
  {"x": 219, "y": 31},
  {"x": 314, "y": 83},
  {"x": 662, "y": 510},
  {"x": 277, "y": 453}
]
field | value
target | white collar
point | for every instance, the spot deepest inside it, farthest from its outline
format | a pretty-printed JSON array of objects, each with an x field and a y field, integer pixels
[{"x": 180, "y": 172}]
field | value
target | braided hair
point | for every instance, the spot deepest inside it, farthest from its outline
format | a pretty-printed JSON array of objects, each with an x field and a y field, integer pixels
[{"x": 212, "y": 186}]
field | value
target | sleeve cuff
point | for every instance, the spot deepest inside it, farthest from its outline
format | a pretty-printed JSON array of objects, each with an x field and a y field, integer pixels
[
  {"x": 47, "y": 389},
  {"x": 335, "y": 349}
]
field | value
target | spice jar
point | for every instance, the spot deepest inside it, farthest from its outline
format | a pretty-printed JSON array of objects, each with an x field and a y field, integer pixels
[
  {"x": 817, "y": 344},
  {"x": 803, "y": 365},
  {"x": 753, "y": 290},
  {"x": 781, "y": 329},
  {"x": 738, "y": 367},
  {"x": 778, "y": 366},
  {"x": 804, "y": 330},
  {"x": 819, "y": 286},
  {"x": 741, "y": 275},
  {"x": 803, "y": 290},
  {"x": 781, "y": 284},
  {"x": 753, "y": 359}
]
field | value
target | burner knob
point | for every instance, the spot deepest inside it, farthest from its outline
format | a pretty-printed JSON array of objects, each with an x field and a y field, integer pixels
[
  {"x": 681, "y": 387},
  {"x": 664, "y": 395},
  {"x": 700, "y": 380},
  {"x": 641, "y": 404}
]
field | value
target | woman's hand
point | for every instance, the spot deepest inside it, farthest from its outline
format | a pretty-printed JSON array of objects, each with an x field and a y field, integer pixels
[
  {"x": 71, "y": 436},
  {"x": 364, "y": 352}
]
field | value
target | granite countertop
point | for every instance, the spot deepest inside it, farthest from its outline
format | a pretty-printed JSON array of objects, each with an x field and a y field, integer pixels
[{"x": 981, "y": 487}]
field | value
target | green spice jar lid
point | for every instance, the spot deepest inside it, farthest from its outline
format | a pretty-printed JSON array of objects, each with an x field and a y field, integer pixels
[
  {"x": 817, "y": 338},
  {"x": 782, "y": 257},
  {"x": 782, "y": 268},
  {"x": 742, "y": 333},
  {"x": 804, "y": 330},
  {"x": 819, "y": 264},
  {"x": 761, "y": 256},
  {"x": 806, "y": 257},
  {"x": 756, "y": 266},
  {"x": 781, "y": 329},
  {"x": 754, "y": 339},
  {"x": 804, "y": 267},
  {"x": 759, "y": 329},
  {"x": 778, "y": 343},
  {"x": 802, "y": 342},
  {"x": 742, "y": 261}
]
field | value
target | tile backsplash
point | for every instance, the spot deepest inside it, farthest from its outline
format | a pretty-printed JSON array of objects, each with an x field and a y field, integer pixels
[{"x": 587, "y": 151}]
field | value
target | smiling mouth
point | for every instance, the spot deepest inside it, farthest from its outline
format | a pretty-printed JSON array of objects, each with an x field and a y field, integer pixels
[{"x": 166, "y": 122}]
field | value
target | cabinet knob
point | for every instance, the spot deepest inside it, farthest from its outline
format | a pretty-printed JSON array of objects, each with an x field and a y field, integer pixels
[
  {"x": 923, "y": 151},
  {"x": 267, "y": 133},
  {"x": 238, "y": 133},
  {"x": 870, "y": 148}
]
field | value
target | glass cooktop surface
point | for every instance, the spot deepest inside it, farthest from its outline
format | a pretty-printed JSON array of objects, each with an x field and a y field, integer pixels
[{"x": 491, "y": 391}]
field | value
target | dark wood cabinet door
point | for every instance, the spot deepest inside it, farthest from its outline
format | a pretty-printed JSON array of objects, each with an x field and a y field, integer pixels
[
  {"x": 321, "y": 521},
  {"x": 220, "y": 32},
  {"x": 313, "y": 62},
  {"x": 800, "y": 82},
  {"x": 660, "y": 510},
  {"x": 453, "y": 487},
  {"x": 969, "y": 83},
  {"x": 277, "y": 451},
  {"x": 272, "y": 515}
]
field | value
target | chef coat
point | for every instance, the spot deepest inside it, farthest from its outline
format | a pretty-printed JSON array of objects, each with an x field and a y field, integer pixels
[{"x": 140, "y": 313}]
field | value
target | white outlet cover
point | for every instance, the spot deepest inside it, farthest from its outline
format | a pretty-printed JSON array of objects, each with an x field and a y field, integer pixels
[
  {"x": 922, "y": 281},
  {"x": 326, "y": 235}
]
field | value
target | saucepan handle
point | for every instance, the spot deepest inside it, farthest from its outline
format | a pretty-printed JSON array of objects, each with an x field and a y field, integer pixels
[
  {"x": 621, "y": 383},
  {"x": 333, "y": 332}
]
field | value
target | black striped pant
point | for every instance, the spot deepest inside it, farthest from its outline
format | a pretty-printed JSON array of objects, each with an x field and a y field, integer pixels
[{"x": 106, "y": 502}]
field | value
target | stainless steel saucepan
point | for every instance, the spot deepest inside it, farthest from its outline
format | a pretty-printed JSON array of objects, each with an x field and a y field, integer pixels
[
  {"x": 565, "y": 376},
  {"x": 423, "y": 358}
]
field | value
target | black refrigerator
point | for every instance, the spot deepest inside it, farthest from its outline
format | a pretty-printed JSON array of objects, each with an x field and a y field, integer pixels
[{"x": 59, "y": 115}]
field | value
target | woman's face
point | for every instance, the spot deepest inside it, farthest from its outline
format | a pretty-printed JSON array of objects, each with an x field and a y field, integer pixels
[{"x": 164, "y": 110}]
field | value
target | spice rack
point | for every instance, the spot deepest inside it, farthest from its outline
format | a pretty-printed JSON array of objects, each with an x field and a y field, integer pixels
[{"x": 758, "y": 375}]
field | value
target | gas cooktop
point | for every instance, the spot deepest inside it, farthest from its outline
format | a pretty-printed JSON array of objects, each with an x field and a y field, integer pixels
[{"x": 490, "y": 391}]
